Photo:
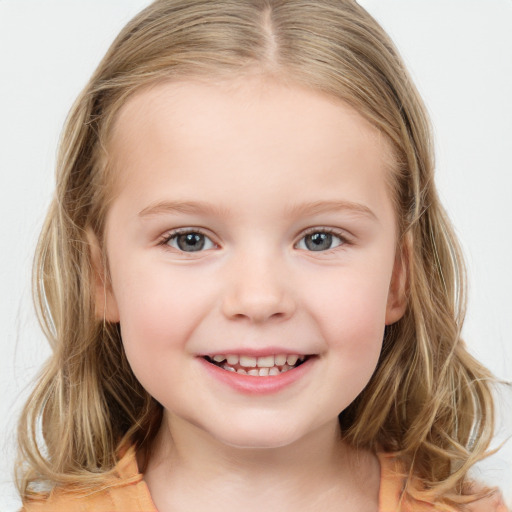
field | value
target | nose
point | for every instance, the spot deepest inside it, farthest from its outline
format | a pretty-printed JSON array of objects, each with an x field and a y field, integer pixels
[{"x": 258, "y": 290}]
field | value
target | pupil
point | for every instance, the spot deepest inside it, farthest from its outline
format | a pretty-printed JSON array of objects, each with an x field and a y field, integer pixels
[
  {"x": 318, "y": 241},
  {"x": 191, "y": 242}
]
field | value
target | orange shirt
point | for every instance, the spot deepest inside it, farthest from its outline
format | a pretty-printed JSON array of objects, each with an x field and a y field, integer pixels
[{"x": 132, "y": 494}]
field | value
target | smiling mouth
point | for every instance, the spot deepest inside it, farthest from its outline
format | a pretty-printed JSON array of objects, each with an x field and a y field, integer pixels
[{"x": 257, "y": 366}]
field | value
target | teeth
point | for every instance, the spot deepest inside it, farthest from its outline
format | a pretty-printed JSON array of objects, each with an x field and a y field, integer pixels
[
  {"x": 292, "y": 359},
  {"x": 233, "y": 359},
  {"x": 280, "y": 360},
  {"x": 258, "y": 366},
  {"x": 247, "y": 361},
  {"x": 265, "y": 362}
]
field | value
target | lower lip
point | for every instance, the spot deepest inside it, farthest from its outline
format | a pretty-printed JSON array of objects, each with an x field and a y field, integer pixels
[{"x": 253, "y": 385}]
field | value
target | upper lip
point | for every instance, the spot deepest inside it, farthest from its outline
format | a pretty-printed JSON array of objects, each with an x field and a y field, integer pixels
[{"x": 257, "y": 352}]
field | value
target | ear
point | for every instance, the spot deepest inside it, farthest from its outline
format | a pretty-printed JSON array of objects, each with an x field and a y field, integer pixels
[
  {"x": 105, "y": 303},
  {"x": 397, "y": 296}
]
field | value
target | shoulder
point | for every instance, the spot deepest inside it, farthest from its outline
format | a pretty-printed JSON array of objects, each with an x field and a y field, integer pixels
[
  {"x": 64, "y": 500},
  {"x": 123, "y": 498},
  {"x": 493, "y": 502},
  {"x": 127, "y": 493},
  {"x": 393, "y": 496}
]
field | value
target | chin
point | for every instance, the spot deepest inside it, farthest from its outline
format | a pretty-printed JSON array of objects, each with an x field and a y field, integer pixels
[{"x": 258, "y": 438}]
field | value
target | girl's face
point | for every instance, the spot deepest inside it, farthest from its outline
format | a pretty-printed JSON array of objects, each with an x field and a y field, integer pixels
[{"x": 252, "y": 228}]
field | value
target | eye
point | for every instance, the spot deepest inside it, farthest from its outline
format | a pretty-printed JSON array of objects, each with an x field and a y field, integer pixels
[
  {"x": 320, "y": 240},
  {"x": 188, "y": 241}
]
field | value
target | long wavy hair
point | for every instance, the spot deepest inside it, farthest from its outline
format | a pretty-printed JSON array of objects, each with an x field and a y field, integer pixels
[{"x": 429, "y": 400}]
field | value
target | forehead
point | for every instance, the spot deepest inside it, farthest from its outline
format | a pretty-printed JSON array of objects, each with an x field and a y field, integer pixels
[
  {"x": 247, "y": 132},
  {"x": 184, "y": 102}
]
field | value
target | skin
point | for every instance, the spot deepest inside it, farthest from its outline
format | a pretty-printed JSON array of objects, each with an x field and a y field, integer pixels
[{"x": 261, "y": 153}]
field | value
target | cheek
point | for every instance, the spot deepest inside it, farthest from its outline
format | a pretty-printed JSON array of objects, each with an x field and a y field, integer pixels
[
  {"x": 156, "y": 319},
  {"x": 157, "y": 311},
  {"x": 354, "y": 327},
  {"x": 354, "y": 305},
  {"x": 362, "y": 316},
  {"x": 351, "y": 316}
]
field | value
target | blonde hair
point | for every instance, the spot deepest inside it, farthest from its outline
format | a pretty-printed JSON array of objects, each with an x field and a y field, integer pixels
[{"x": 429, "y": 400}]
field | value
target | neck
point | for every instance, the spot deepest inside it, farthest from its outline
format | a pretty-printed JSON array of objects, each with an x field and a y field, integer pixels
[{"x": 190, "y": 470}]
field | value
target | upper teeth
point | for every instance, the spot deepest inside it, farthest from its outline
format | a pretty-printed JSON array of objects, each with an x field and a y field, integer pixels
[{"x": 260, "y": 362}]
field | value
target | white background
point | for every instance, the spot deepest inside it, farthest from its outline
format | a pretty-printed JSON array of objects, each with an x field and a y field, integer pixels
[{"x": 460, "y": 55}]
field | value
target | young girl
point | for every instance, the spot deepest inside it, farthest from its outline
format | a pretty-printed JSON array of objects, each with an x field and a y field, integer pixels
[{"x": 252, "y": 292}]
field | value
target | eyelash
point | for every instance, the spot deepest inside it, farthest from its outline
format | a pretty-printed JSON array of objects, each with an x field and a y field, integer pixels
[
  {"x": 344, "y": 240},
  {"x": 164, "y": 242}
]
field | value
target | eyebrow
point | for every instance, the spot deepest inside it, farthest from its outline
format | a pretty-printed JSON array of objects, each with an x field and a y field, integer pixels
[
  {"x": 205, "y": 208},
  {"x": 191, "y": 207},
  {"x": 317, "y": 207}
]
